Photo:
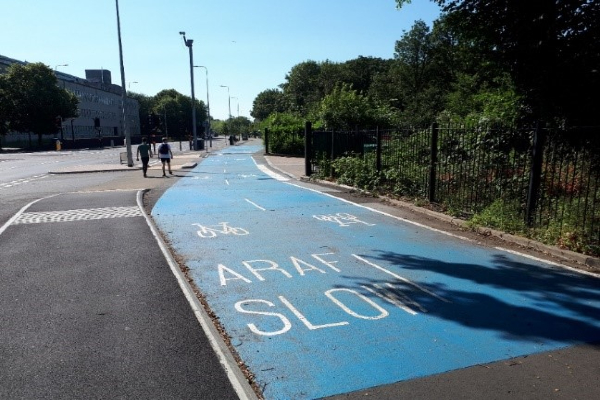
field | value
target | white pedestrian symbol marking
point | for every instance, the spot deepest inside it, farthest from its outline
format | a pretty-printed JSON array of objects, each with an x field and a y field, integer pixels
[{"x": 343, "y": 219}]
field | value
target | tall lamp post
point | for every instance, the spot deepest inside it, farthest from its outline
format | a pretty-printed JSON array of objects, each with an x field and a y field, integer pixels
[
  {"x": 229, "y": 99},
  {"x": 188, "y": 43},
  {"x": 238, "y": 113},
  {"x": 207, "y": 104},
  {"x": 229, "y": 102},
  {"x": 60, "y": 65},
  {"x": 123, "y": 93}
]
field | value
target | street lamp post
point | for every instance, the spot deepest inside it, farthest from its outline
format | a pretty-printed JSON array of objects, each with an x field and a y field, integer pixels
[
  {"x": 123, "y": 93},
  {"x": 229, "y": 99},
  {"x": 238, "y": 113},
  {"x": 207, "y": 104},
  {"x": 229, "y": 103},
  {"x": 188, "y": 43},
  {"x": 60, "y": 65},
  {"x": 129, "y": 84}
]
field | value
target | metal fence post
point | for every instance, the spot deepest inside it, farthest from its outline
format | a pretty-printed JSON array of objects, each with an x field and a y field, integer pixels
[
  {"x": 378, "y": 150},
  {"x": 267, "y": 140},
  {"x": 535, "y": 177},
  {"x": 308, "y": 148},
  {"x": 433, "y": 161},
  {"x": 332, "y": 155}
]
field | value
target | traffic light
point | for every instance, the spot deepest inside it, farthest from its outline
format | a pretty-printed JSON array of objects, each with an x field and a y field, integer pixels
[
  {"x": 96, "y": 122},
  {"x": 58, "y": 122}
]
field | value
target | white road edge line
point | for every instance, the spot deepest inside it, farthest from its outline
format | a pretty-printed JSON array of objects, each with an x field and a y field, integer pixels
[
  {"x": 237, "y": 379},
  {"x": 267, "y": 171}
]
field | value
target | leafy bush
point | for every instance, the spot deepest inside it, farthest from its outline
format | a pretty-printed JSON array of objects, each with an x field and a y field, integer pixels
[
  {"x": 286, "y": 133},
  {"x": 503, "y": 215},
  {"x": 354, "y": 171}
]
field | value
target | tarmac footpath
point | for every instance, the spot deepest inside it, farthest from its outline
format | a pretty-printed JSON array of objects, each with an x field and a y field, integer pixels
[{"x": 95, "y": 308}]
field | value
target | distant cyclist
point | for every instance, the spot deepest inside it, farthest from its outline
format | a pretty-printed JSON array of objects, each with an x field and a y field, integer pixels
[{"x": 165, "y": 154}]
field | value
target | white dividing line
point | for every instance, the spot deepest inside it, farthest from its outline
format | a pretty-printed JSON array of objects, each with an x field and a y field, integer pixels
[
  {"x": 256, "y": 205},
  {"x": 403, "y": 279},
  {"x": 22, "y": 181},
  {"x": 238, "y": 381},
  {"x": 389, "y": 300}
]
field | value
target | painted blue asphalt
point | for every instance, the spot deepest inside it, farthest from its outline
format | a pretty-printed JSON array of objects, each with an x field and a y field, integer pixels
[{"x": 321, "y": 296}]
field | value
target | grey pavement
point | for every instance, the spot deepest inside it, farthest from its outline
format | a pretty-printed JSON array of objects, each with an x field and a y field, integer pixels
[{"x": 96, "y": 309}]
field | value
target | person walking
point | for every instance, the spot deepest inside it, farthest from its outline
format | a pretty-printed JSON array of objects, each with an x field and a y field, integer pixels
[
  {"x": 165, "y": 154},
  {"x": 145, "y": 151}
]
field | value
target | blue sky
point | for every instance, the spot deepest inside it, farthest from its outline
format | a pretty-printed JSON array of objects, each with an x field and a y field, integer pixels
[{"x": 248, "y": 45}]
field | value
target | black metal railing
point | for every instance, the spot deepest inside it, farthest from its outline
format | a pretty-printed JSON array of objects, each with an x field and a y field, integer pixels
[{"x": 542, "y": 178}]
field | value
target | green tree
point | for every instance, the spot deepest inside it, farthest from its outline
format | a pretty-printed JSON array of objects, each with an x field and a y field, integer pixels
[
  {"x": 37, "y": 100},
  {"x": 220, "y": 127},
  {"x": 6, "y": 107},
  {"x": 268, "y": 102},
  {"x": 175, "y": 112},
  {"x": 302, "y": 87},
  {"x": 362, "y": 71},
  {"x": 145, "y": 103},
  {"x": 239, "y": 125},
  {"x": 345, "y": 108},
  {"x": 549, "y": 48}
]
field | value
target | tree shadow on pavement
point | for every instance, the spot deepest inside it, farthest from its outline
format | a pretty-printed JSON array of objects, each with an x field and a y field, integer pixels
[{"x": 520, "y": 301}]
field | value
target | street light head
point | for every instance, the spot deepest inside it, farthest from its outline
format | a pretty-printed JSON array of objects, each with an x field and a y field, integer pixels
[{"x": 182, "y": 33}]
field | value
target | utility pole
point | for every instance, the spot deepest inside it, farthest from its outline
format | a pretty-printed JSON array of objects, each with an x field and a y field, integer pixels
[
  {"x": 123, "y": 94},
  {"x": 188, "y": 43}
]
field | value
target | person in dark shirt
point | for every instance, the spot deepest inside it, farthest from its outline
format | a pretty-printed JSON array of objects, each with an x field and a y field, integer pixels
[{"x": 145, "y": 151}]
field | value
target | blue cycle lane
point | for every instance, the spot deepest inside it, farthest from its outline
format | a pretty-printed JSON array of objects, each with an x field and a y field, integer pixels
[{"x": 321, "y": 296}]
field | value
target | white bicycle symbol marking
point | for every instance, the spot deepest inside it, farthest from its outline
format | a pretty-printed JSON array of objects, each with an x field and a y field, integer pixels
[{"x": 221, "y": 228}]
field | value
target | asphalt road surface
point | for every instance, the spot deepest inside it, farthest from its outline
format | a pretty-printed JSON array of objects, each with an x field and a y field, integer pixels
[{"x": 93, "y": 310}]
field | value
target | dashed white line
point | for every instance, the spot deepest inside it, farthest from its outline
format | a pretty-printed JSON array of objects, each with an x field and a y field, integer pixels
[
  {"x": 22, "y": 181},
  {"x": 256, "y": 205}
]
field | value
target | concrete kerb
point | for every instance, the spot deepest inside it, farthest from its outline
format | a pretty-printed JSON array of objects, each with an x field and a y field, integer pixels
[{"x": 176, "y": 163}]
